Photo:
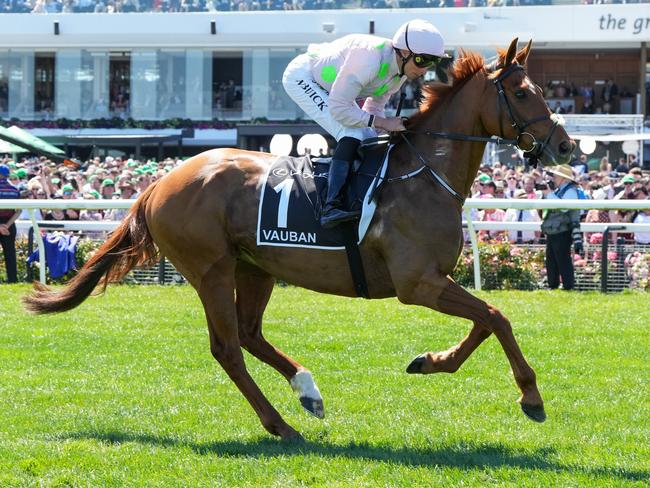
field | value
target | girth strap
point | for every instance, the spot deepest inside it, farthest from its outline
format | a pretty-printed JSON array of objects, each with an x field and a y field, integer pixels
[{"x": 355, "y": 262}]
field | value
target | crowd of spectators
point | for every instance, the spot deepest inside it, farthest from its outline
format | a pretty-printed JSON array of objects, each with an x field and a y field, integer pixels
[
  {"x": 622, "y": 180},
  {"x": 107, "y": 178},
  {"x": 126, "y": 6}
]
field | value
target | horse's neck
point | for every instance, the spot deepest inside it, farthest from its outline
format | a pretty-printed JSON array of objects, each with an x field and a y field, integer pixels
[{"x": 458, "y": 161}]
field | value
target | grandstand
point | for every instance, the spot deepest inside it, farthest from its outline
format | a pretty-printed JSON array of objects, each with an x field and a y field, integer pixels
[{"x": 69, "y": 74}]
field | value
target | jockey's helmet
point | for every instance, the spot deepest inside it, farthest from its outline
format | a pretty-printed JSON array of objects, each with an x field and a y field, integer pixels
[{"x": 420, "y": 37}]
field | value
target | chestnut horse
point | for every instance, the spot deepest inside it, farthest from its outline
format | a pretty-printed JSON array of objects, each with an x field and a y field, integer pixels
[{"x": 203, "y": 216}]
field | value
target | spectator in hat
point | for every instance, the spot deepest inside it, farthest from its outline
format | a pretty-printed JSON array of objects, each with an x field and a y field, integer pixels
[
  {"x": 480, "y": 181},
  {"x": 108, "y": 188},
  {"x": 7, "y": 224},
  {"x": 489, "y": 188},
  {"x": 627, "y": 193},
  {"x": 68, "y": 193},
  {"x": 93, "y": 183},
  {"x": 562, "y": 228}
]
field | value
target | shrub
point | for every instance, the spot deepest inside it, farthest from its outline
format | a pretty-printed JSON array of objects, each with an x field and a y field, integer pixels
[
  {"x": 503, "y": 267},
  {"x": 637, "y": 268}
]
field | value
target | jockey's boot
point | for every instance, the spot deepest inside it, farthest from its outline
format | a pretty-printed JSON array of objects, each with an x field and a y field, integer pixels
[{"x": 333, "y": 211}]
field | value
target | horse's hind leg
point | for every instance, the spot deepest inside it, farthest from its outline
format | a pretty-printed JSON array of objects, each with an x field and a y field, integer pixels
[
  {"x": 254, "y": 288},
  {"x": 444, "y": 295},
  {"x": 217, "y": 292},
  {"x": 452, "y": 359}
]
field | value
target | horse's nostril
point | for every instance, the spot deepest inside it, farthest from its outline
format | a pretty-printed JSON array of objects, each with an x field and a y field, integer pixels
[{"x": 565, "y": 147}]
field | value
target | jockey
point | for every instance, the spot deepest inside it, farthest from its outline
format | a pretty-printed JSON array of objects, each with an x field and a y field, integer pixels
[{"x": 329, "y": 78}]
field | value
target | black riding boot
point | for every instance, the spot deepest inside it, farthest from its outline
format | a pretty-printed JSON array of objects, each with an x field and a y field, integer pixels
[{"x": 333, "y": 211}]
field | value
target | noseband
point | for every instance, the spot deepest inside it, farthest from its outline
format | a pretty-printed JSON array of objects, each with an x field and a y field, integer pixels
[{"x": 525, "y": 141}]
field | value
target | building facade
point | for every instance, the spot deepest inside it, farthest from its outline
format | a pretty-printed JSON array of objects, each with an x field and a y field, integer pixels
[{"x": 227, "y": 66}]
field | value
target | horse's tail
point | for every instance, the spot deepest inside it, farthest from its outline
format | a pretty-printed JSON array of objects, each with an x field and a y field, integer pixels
[{"x": 128, "y": 246}]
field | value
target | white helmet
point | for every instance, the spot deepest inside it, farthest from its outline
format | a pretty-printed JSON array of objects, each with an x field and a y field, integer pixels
[{"x": 420, "y": 37}]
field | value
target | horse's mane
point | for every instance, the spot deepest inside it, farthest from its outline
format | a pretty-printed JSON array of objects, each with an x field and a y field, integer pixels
[{"x": 467, "y": 65}]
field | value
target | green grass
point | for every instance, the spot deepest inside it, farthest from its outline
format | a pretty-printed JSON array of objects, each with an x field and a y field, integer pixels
[{"x": 123, "y": 391}]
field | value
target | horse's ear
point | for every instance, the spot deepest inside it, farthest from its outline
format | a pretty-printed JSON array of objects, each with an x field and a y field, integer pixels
[
  {"x": 522, "y": 56},
  {"x": 512, "y": 51}
]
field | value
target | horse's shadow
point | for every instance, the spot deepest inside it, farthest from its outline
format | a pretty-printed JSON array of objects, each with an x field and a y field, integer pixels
[{"x": 462, "y": 455}]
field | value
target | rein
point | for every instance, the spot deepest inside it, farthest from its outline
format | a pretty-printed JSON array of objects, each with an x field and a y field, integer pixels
[{"x": 534, "y": 150}]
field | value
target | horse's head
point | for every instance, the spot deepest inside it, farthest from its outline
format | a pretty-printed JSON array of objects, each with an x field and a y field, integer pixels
[{"x": 521, "y": 113}]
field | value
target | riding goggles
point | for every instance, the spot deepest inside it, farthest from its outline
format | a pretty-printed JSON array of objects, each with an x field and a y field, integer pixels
[{"x": 425, "y": 60}]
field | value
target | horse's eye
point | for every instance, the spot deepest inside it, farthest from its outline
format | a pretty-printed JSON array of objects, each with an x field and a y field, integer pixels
[{"x": 520, "y": 94}]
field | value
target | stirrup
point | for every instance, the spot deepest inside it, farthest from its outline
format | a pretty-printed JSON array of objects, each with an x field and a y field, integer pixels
[{"x": 336, "y": 216}]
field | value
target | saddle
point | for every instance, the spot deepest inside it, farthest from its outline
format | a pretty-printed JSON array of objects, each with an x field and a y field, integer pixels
[{"x": 295, "y": 190}]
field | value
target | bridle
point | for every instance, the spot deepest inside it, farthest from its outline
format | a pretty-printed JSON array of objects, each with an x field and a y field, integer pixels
[
  {"x": 534, "y": 149},
  {"x": 524, "y": 141}
]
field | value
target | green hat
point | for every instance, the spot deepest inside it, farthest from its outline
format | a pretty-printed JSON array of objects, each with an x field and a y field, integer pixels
[
  {"x": 67, "y": 188},
  {"x": 108, "y": 182},
  {"x": 484, "y": 178},
  {"x": 13, "y": 175},
  {"x": 56, "y": 181},
  {"x": 11, "y": 164},
  {"x": 95, "y": 193},
  {"x": 21, "y": 173},
  {"x": 131, "y": 164},
  {"x": 628, "y": 179}
]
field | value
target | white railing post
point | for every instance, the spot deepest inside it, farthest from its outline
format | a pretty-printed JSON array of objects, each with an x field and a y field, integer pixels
[
  {"x": 41, "y": 245},
  {"x": 473, "y": 239}
]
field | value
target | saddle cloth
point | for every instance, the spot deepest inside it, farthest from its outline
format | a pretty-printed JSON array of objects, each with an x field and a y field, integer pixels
[{"x": 294, "y": 191}]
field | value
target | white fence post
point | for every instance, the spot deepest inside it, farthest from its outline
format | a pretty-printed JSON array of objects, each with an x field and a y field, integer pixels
[
  {"x": 41, "y": 245},
  {"x": 474, "y": 240}
]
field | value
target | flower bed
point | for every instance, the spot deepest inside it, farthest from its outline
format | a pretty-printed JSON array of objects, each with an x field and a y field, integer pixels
[
  {"x": 637, "y": 268},
  {"x": 503, "y": 267}
]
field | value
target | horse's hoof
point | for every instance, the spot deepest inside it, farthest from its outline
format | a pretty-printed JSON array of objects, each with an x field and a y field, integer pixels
[
  {"x": 314, "y": 406},
  {"x": 416, "y": 365},
  {"x": 534, "y": 412},
  {"x": 286, "y": 432},
  {"x": 293, "y": 436}
]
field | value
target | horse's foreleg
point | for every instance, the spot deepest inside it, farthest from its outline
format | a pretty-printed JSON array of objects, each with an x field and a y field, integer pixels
[
  {"x": 217, "y": 292},
  {"x": 254, "y": 288},
  {"x": 444, "y": 295}
]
